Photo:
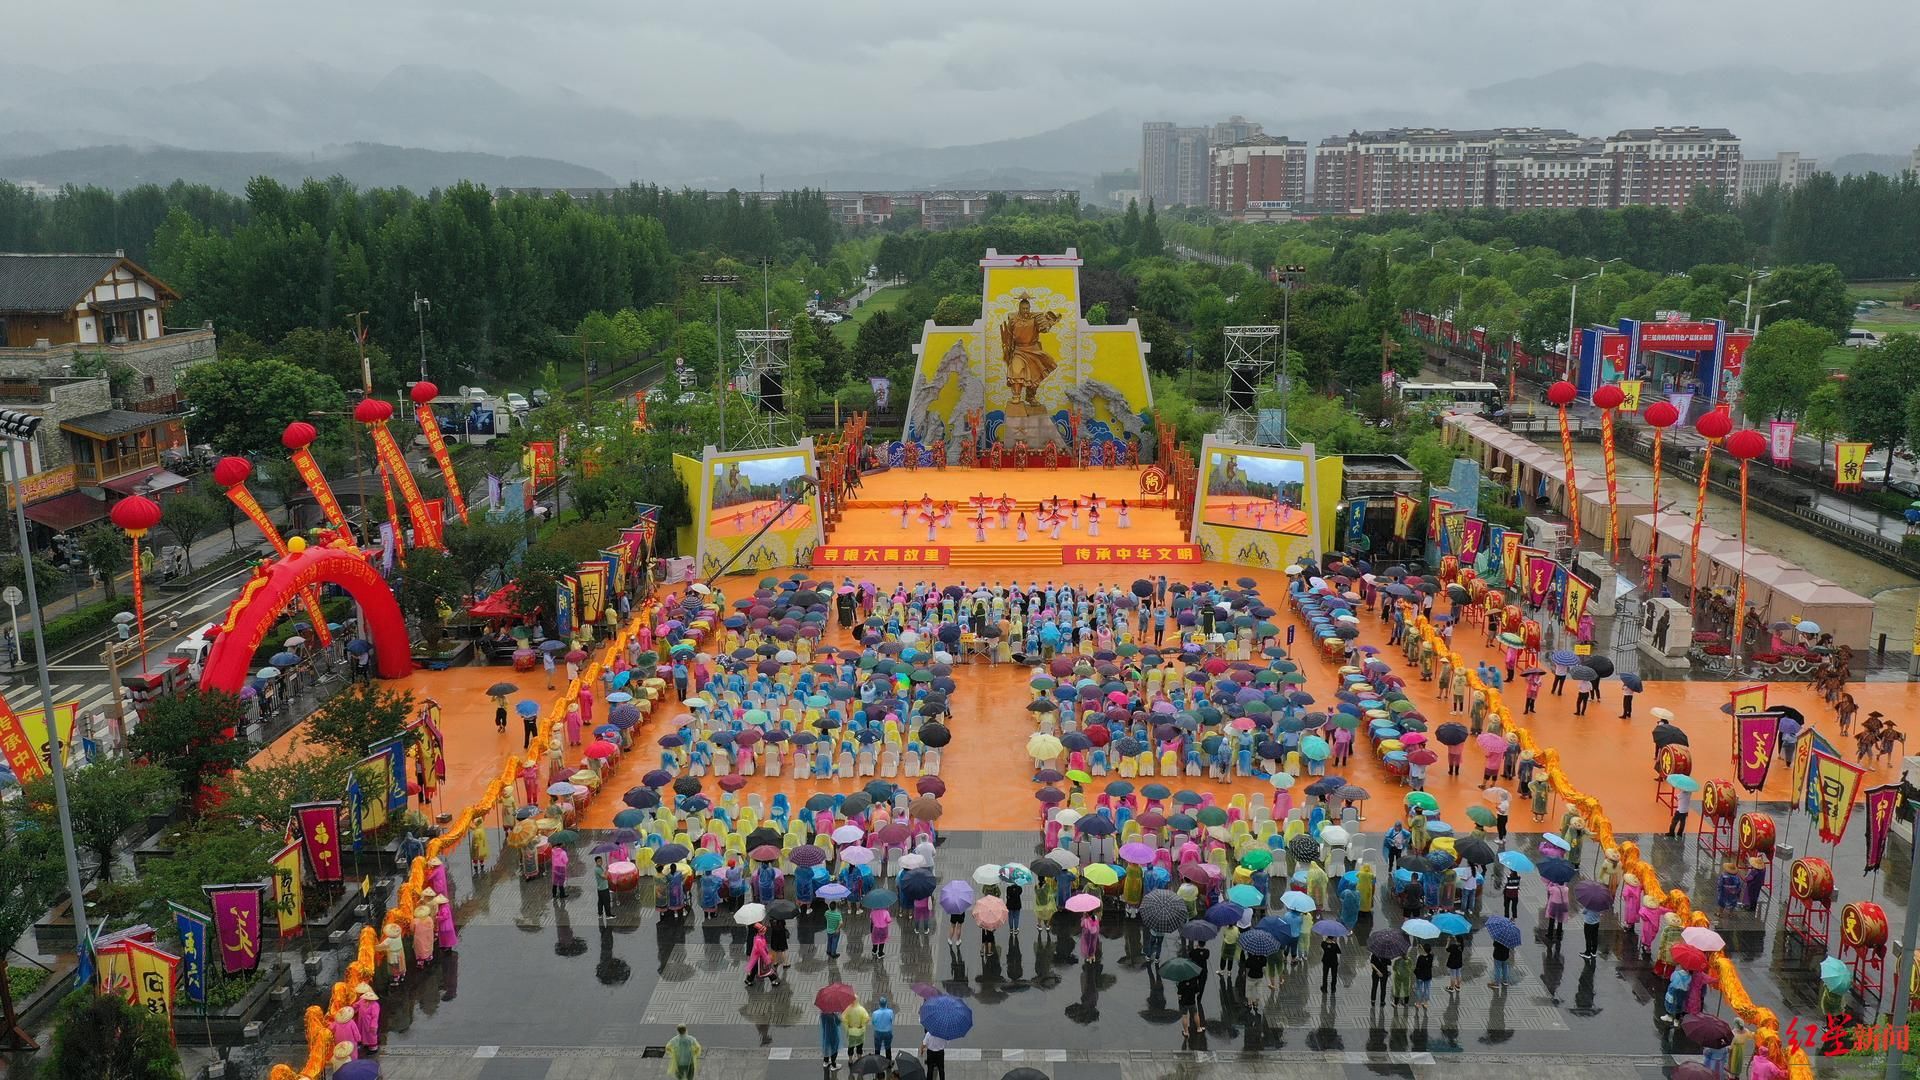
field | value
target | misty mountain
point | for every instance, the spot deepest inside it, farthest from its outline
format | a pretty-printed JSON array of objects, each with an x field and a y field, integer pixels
[
  {"x": 1769, "y": 108},
  {"x": 365, "y": 164},
  {"x": 1067, "y": 156}
]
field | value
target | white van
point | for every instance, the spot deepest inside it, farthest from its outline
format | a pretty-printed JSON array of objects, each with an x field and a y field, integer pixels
[
  {"x": 195, "y": 647},
  {"x": 1862, "y": 339}
]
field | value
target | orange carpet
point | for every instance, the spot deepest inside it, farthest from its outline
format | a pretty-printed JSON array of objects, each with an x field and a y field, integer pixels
[{"x": 986, "y": 769}]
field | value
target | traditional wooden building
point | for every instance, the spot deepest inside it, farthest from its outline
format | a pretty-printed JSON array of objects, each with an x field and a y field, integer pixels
[{"x": 79, "y": 299}]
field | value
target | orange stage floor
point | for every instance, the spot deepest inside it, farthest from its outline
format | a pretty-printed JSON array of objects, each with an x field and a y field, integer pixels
[
  {"x": 874, "y": 517},
  {"x": 1239, "y": 510},
  {"x": 986, "y": 768}
]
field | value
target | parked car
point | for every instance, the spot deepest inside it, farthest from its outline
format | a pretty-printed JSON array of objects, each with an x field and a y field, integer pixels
[
  {"x": 518, "y": 403},
  {"x": 539, "y": 398}
]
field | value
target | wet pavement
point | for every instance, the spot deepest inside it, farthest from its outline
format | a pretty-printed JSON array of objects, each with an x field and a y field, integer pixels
[{"x": 537, "y": 981}]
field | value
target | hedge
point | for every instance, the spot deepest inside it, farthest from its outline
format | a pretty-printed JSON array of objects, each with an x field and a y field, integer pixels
[{"x": 64, "y": 630}]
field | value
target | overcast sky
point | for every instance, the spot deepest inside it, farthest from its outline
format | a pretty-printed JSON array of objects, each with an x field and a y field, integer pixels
[{"x": 935, "y": 74}]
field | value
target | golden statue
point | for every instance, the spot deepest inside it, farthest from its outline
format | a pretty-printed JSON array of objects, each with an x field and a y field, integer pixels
[{"x": 1028, "y": 364}]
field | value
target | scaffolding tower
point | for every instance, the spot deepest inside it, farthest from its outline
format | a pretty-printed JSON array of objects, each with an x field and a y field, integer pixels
[
  {"x": 1253, "y": 363},
  {"x": 761, "y": 377}
]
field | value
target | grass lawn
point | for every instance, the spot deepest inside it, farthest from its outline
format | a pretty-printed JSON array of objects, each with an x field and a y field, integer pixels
[
  {"x": 1877, "y": 290},
  {"x": 886, "y": 299}
]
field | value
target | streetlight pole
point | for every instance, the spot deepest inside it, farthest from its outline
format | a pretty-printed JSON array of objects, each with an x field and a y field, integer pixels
[
  {"x": 1573, "y": 301},
  {"x": 18, "y": 429},
  {"x": 421, "y": 305},
  {"x": 1602, "y": 263}
]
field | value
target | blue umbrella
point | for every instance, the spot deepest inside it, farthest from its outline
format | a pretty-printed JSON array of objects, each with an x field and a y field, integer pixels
[
  {"x": 1503, "y": 932},
  {"x": 359, "y": 646},
  {"x": 876, "y": 899},
  {"x": 1450, "y": 923},
  {"x": 1259, "y": 943},
  {"x": 527, "y": 709},
  {"x": 552, "y": 645},
  {"x": 1557, "y": 871},
  {"x": 946, "y": 1017},
  {"x": 1199, "y": 930},
  {"x": 1224, "y": 914},
  {"x": 1516, "y": 862},
  {"x": 1297, "y": 901},
  {"x": 1331, "y": 929},
  {"x": 284, "y": 660}
]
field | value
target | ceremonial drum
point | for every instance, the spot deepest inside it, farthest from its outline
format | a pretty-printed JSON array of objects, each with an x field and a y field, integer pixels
[
  {"x": 623, "y": 877},
  {"x": 1811, "y": 879},
  {"x": 1718, "y": 801},
  {"x": 1673, "y": 758},
  {"x": 1863, "y": 926},
  {"x": 1757, "y": 834}
]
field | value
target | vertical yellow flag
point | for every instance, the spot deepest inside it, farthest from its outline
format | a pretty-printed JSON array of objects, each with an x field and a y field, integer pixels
[
  {"x": 153, "y": 973},
  {"x": 1630, "y": 391},
  {"x": 289, "y": 896}
]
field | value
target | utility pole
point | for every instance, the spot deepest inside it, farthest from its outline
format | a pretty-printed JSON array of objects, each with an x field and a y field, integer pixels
[
  {"x": 420, "y": 307},
  {"x": 366, "y": 366},
  {"x": 1573, "y": 300}
]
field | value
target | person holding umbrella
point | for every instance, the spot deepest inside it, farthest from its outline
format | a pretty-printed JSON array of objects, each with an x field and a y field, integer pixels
[
  {"x": 1506, "y": 937},
  {"x": 1682, "y": 805},
  {"x": 1330, "y": 964},
  {"x": 829, "y": 1039}
]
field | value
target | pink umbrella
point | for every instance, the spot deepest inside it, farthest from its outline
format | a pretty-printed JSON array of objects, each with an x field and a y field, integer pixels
[
  {"x": 1413, "y": 738},
  {"x": 990, "y": 912},
  {"x": 1136, "y": 853},
  {"x": 1489, "y": 741},
  {"x": 1082, "y": 903}
]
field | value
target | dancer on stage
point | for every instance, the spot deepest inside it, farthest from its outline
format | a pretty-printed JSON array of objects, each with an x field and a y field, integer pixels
[
  {"x": 1074, "y": 511},
  {"x": 904, "y": 511},
  {"x": 980, "y": 527},
  {"x": 1093, "y": 521},
  {"x": 1020, "y": 528},
  {"x": 1122, "y": 514},
  {"x": 1006, "y": 507}
]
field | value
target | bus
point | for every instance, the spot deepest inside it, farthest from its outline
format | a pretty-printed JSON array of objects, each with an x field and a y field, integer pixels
[{"x": 1466, "y": 397}]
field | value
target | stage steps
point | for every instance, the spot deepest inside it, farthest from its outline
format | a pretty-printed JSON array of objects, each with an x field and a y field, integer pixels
[{"x": 1004, "y": 555}]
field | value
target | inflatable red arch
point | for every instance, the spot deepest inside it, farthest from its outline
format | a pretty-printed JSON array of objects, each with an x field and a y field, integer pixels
[{"x": 273, "y": 587}]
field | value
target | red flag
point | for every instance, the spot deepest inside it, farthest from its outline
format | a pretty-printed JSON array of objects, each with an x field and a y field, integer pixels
[
  {"x": 1756, "y": 735},
  {"x": 1881, "y": 803}
]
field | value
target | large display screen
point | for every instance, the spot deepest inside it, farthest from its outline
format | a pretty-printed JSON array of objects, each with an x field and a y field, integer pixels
[{"x": 1257, "y": 491}]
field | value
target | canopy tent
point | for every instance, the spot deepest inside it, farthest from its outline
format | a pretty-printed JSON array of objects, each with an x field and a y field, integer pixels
[
  {"x": 1593, "y": 509},
  {"x": 1530, "y": 466},
  {"x": 1846, "y": 615},
  {"x": 497, "y": 606},
  {"x": 1676, "y": 536}
]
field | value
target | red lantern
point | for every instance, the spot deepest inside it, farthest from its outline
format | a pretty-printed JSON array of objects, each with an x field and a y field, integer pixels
[
  {"x": 298, "y": 434},
  {"x": 1661, "y": 414},
  {"x": 423, "y": 392},
  {"x": 1746, "y": 444},
  {"x": 136, "y": 514},
  {"x": 1562, "y": 393},
  {"x": 1608, "y": 397},
  {"x": 232, "y": 471},
  {"x": 1713, "y": 426},
  {"x": 372, "y": 411}
]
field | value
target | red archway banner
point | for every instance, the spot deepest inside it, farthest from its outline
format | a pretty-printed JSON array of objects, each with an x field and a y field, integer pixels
[{"x": 252, "y": 614}]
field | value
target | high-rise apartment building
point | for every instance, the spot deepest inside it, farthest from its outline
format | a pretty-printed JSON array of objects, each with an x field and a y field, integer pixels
[
  {"x": 1264, "y": 172},
  {"x": 1663, "y": 166},
  {"x": 1786, "y": 170},
  {"x": 1176, "y": 163},
  {"x": 1416, "y": 170}
]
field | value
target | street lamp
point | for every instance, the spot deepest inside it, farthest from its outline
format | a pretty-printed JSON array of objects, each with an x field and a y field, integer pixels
[
  {"x": 18, "y": 429},
  {"x": 421, "y": 305},
  {"x": 1603, "y": 263},
  {"x": 1572, "y": 300}
]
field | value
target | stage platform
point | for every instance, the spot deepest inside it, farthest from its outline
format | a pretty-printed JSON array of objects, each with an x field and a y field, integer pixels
[{"x": 872, "y": 518}]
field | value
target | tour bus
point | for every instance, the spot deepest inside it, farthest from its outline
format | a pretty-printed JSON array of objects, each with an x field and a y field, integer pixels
[{"x": 1467, "y": 397}]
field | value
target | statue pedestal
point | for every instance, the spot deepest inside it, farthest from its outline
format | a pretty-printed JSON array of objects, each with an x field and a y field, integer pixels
[{"x": 1036, "y": 430}]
